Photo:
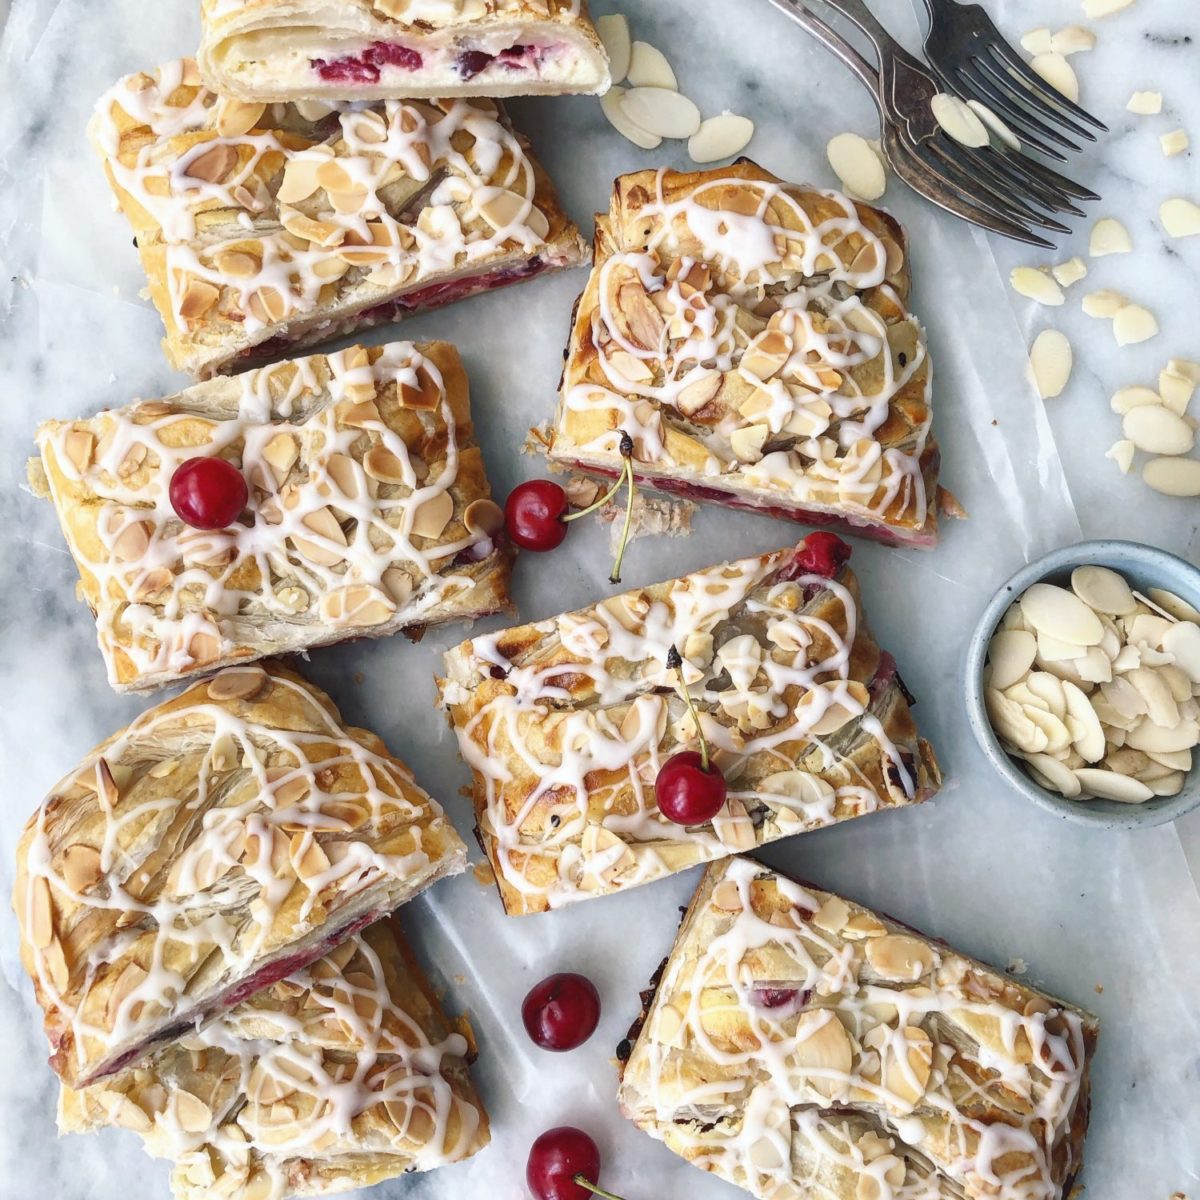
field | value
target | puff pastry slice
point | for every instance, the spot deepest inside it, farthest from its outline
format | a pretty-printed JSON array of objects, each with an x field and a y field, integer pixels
[
  {"x": 267, "y": 227},
  {"x": 224, "y": 840},
  {"x": 806, "y": 1048},
  {"x": 565, "y": 723},
  {"x": 368, "y": 512},
  {"x": 342, "y": 1075},
  {"x": 385, "y": 49},
  {"x": 753, "y": 339}
]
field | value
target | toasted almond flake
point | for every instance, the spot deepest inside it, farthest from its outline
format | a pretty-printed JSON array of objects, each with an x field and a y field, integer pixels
[
  {"x": 1180, "y": 217},
  {"x": 397, "y": 585},
  {"x": 1036, "y": 285},
  {"x": 1173, "y": 476},
  {"x": 502, "y": 209},
  {"x": 484, "y": 517},
  {"x": 198, "y": 299},
  {"x": 1094, "y": 9},
  {"x": 648, "y": 67},
  {"x": 1157, "y": 430},
  {"x": 1050, "y": 363},
  {"x": 1038, "y": 41},
  {"x": 1173, "y": 143},
  {"x": 1109, "y": 236},
  {"x": 1104, "y": 304},
  {"x": 1133, "y": 324},
  {"x": 612, "y": 107},
  {"x": 81, "y": 867},
  {"x": 958, "y": 120},
  {"x": 1058, "y": 73},
  {"x": 1176, "y": 390},
  {"x": 613, "y": 29},
  {"x": 857, "y": 165},
  {"x": 720, "y": 137},
  {"x": 434, "y": 515},
  {"x": 1108, "y": 785},
  {"x": 1069, "y": 272},
  {"x": 1074, "y": 39},
  {"x": 995, "y": 124},
  {"x": 213, "y": 165},
  {"x": 1122, "y": 454},
  {"x": 1129, "y": 398},
  {"x": 237, "y": 683},
  {"x": 41, "y": 913},
  {"x": 80, "y": 448},
  {"x": 1145, "y": 104},
  {"x": 661, "y": 111}
]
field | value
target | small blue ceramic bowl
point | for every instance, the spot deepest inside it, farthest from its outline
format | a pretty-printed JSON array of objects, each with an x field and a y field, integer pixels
[{"x": 1145, "y": 567}]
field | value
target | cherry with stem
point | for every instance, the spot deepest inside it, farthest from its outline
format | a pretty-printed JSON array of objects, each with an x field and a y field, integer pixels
[{"x": 689, "y": 789}]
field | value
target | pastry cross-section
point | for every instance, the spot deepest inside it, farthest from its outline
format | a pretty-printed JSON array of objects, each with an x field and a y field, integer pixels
[
  {"x": 267, "y": 50},
  {"x": 222, "y": 841},
  {"x": 368, "y": 511},
  {"x": 263, "y": 227},
  {"x": 753, "y": 338},
  {"x": 342, "y": 1075},
  {"x": 565, "y": 723},
  {"x": 805, "y": 1048}
]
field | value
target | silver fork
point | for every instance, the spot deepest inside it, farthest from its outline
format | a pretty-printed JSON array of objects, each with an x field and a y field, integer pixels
[
  {"x": 995, "y": 189},
  {"x": 966, "y": 49}
]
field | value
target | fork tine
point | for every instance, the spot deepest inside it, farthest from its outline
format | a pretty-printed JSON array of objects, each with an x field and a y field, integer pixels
[
  {"x": 1036, "y": 91},
  {"x": 1002, "y": 50},
  {"x": 995, "y": 168},
  {"x": 1020, "y": 96},
  {"x": 972, "y": 80},
  {"x": 1049, "y": 178}
]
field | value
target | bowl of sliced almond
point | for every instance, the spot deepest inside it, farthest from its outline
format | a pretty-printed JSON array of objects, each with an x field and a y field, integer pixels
[{"x": 1083, "y": 683}]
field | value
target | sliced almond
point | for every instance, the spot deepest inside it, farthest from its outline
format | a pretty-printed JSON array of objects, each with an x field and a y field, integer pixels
[
  {"x": 41, "y": 913},
  {"x": 720, "y": 137},
  {"x": 1128, "y": 398},
  {"x": 1036, "y": 285},
  {"x": 433, "y": 515},
  {"x": 1157, "y": 430},
  {"x": 1122, "y": 454},
  {"x": 1109, "y": 236},
  {"x": 1050, "y": 362},
  {"x": 397, "y": 585},
  {"x": 1133, "y": 324},
  {"x": 1173, "y": 476},
  {"x": 648, "y": 67},
  {"x": 1061, "y": 614},
  {"x": 198, "y": 299},
  {"x": 1176, "y": 390},
  {"x": 235, "y": 117},
  {"x": 1173, "y": 143},
  {"x": 822, "y": 1051},
  {"x": 132, "y": 542},
  {"x": 747, "y": 442},
  {"x": 1173, "y": 605},
  {"x": 383, "y": 466},
  {"x": 698, "y": 393},
  {"x": 995, "y": 124},
  {"x": 237, "y": 683},
  {"x": 1038, "y": 41},
  {"x": 1146, "y": 104},
  {"x": 79, "y": 447},
  {"x": 1055, "y": 773},
  {"x": 213, "y": 165},
  {"x": 193, "y": 1115},
  {"x": 1069, "y": 272},
  {"x": 1104, "y": 304},
  {"x": 1058, "y": 73},
  {"x": 857, "y": 165},
  {"x": 1074, "y": 39},
  {"x": 899, "y": 958},
  {"x": 1109, "y": 785},
  {"x": 1183, "y": 641},
  {"x": 1104, "y": 590},
  {"x": 502, "y": 209},
  {"x": 958, "y": 120},
  {"x": 81, "y": 867},
  {"x": 661, "y": 111},
  {"x": 1010, "y": 655},
  {"x": 281, "y": 453},
  {"x": 484, "y": 517},
  {"x": 1180, "y": 217},
  {"x": 614, "y": 111},
  {"x": 1094, "y": 9},
  {"x": 613, "y": 30}
]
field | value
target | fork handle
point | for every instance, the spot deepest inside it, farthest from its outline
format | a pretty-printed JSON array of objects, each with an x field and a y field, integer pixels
[
  {"x": 833, "y": 42},
  {"x": 864, "y": 18}
]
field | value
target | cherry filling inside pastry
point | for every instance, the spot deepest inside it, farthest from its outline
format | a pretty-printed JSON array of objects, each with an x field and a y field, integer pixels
[{"x": 367, "y": 66}]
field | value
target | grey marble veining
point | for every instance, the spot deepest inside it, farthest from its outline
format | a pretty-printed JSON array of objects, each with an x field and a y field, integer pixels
[{"x": 980, "y": 866}]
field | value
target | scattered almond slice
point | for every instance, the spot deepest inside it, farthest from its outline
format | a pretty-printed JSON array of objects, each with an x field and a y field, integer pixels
[
  {"x": 1185, "y": 367},
  {"x": 1094, "y": 9},
  {"x": 994, "y": 123},
  {"x": 1069, "y": 272},
  {"x": 1050, "y": 363},
  {"x": 613, "y": 109},
  {"x": 661, "y": 111},
  {"x": 1176, "y": 390},
  {"x": 648, "y": 67},
  {"x": 958, "y": 120},
  {"x": 1122, "y": 454},
  {"x": 720, "y": 137},
  {"x": 1038, "y": 41},
  {"x": 1134, "y": 324},
  {"x": 1155, "y": 429},
  {"x": 1180, "y": 217},
  {"x": 1074, "y": 39},
  {"x": 1173, "y": 476},
  {"x": 1105, "y": 303},
  {"x": 1058, "y": 73},
  {"x": 1036, "y": 285},
  {"x": 857, "y": 165},
  {"x": 614, "y": 35},
  {"x": 1173, "y": 143},
  {"x": 1109, "y": 236},
  {"x": 1145, "y": 104},
  {"x": 1128, "y": 398}
]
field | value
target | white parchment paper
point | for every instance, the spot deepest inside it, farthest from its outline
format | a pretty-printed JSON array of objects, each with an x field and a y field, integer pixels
[{"x": 1111, "y": 921}]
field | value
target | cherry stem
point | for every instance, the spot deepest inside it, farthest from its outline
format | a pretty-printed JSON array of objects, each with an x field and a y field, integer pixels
[
  {"x": 627, "y": 476},
  {"x": 585, "y": 1182},
  {"x": 675, "y": 663},
  {"x": 591, "y": 508}
]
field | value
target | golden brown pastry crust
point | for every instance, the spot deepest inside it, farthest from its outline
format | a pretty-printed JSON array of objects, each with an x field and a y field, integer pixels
[
  {"x": 369, "y": 512},
  {"x": 272, "y": 50},
  {"x": 267, "y": 228},
  {"x": 565, "y": 722},
  {"x": 223, "y": 840},
  {"x": 798, "y": 1041},
  {"x": 344, "y": 1074},
  {"x": 752, "y": 337}
]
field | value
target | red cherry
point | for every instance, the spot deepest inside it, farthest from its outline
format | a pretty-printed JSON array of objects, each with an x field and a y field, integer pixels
[
  {"x": 561, "y": 1012},
  {"x": 208, "y": 493},
  {"x": 821, "y": 553},
  {"x": 687, "y": 792},
  {"x": 534, "y": 514},
  {"x": 556, "y": 1158}
]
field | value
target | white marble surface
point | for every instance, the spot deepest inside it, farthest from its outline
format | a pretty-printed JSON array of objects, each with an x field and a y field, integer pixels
[{"x": 979, "y": 865}]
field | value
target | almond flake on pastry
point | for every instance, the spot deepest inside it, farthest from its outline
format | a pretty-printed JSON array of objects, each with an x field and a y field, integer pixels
[
  {"x": 270, "y": 50},
  {"x": 343, "y": 1074},
  {"x": 751, "y": 336},
  {"x": 369, "y": 512},
  {"x": 565, "y": 723},
  {"x": 264, "y": 227},
  {"x": 224, "y": 840},
  {"x": 797, "y": 1044}
]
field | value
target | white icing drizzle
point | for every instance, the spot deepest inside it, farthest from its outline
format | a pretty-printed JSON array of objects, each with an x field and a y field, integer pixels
[
  {"x": 738, "y": 346},
  {"x": 327, "y": 543},
  {"x": 797, "y": 1043},
  {"x": 201, "y": 842},
  {"x": 566, "y": 745},
  {"x": 339, "y": 1067},
  {"x": 251, "y": 218}
]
